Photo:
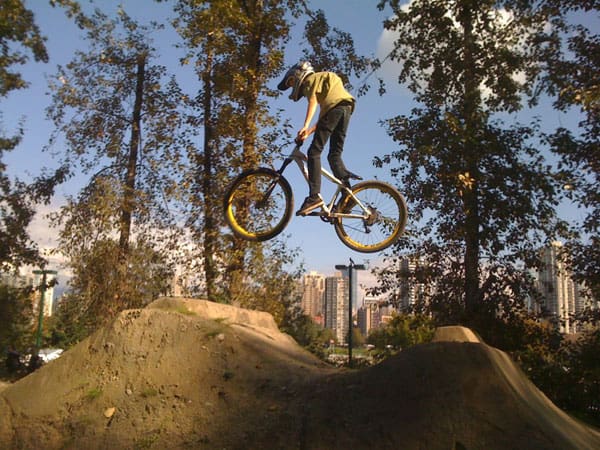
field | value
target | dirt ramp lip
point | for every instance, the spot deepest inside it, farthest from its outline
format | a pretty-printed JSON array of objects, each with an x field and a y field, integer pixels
[
  {"x": 217, "y": 311},
  {"x": 456, "y": 334}
]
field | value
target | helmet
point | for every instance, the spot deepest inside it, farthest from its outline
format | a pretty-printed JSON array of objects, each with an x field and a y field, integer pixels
[{"x": 299, "y": 72}]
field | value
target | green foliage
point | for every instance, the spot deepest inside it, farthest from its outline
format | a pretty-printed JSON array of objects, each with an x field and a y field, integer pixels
[
  {"x": 237, "y": 48},
  {"x": 477, "y": 191},
  {"x": 584, "y": 377},
  {"x": 358, "y": 340},
  {"x": 333, "y": 50},
  {"x": 402, "y": 331},
  {"x": 480, "y": 191},
  {"x": 19, "y": 33},
  {"x": 17, "y": 26},
  {"x": 571, "y": 78},
  {"x": 101, "y": 101},
  {"x": 16, "y": 313},
  {"x": 270, "y": 284},
  {"x": 307, "y": 333},
  {"x": 566, "y": 370},
  {"x": 102, "y": 285}
]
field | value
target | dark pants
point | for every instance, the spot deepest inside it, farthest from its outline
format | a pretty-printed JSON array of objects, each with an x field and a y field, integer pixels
[{"x": 333, "y": 126}]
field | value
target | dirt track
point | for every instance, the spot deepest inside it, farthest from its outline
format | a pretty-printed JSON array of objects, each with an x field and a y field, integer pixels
[{"x": 193, "y": 374}]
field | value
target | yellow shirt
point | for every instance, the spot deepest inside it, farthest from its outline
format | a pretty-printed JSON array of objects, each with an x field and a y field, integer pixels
[{"x": 328, "y": 89}]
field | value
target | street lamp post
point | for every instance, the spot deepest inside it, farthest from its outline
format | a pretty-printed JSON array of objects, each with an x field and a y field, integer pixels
[{"x": 350, "y": 268}]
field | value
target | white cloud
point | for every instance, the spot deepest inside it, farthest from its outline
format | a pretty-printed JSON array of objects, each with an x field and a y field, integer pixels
[
  {"x": 40, "y": 230},
  {"x": 385, "y": 45},
  {"x": 46, "y": 238}
]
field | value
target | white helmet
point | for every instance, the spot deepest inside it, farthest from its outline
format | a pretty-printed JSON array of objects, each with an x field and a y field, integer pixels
[{"x": 299, "y": 71}]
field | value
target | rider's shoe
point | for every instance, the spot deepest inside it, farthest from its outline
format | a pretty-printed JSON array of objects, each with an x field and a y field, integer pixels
[
  {"x": 351, "y": 176},
  {"x": 310, "y": 203}
]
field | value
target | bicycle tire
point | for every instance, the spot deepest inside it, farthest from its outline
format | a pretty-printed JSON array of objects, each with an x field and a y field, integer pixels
[
  {"x": 384, "y": 226},
  {"x": 244, "y": 213}
]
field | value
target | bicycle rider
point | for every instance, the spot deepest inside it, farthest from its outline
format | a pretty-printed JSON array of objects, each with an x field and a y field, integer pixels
[{"x": 336, "y": 105}]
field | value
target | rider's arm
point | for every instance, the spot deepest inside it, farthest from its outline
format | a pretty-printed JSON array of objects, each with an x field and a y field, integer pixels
[{"x": 311, "y": 109}]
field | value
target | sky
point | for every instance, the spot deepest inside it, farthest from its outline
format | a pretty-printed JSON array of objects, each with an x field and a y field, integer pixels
[{"x": 366, "y": 138}]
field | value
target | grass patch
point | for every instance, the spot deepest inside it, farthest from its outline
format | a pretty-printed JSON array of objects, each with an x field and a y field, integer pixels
[
  {"x": 178, "y": 308},
  {"x": 93, "y": 394},
  {"x": 219, "y": 327},
  {"x": 149, "y": 392},
  {"x": 183, "y": 310}
]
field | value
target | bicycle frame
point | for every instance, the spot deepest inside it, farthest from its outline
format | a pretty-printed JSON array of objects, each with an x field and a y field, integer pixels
[
  {"x": 367, "y": 217},
  {"x": 299, "y": 158}
]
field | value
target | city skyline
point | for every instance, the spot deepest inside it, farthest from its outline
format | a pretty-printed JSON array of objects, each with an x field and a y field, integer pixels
[{"x": 561, "y": 296}]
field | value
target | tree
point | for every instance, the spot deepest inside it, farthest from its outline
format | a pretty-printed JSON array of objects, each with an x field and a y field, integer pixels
[
  {"x": 19, "y": 34},
  {"x": 333, "y": 50},
  {"x": 17, "y": 25},
  {"x": 482, "y": 197},
  {"x": 227, "y": 44},
  {"x": 16, "y": 332},
  {"x": 571, "y": 53},
  {"x": 238, "y": 47},
  {"x": 403, "y": 331},
  {"x": 119, "y": 115},
  {"x": 97, "y": 288}
]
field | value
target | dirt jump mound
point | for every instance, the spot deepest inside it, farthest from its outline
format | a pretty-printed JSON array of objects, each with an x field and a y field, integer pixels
[{"x": 195, "y": 374}]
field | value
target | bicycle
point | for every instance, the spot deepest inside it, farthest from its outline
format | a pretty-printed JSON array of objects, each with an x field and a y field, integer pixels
[{"x": 368, "y": 217}]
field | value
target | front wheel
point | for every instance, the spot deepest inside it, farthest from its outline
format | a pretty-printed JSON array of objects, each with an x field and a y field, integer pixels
[
  {"x": 376, "y": 221},
  {"x": 258, "y": 204}
]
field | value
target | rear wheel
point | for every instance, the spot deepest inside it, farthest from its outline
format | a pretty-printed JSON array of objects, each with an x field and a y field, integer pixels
[
  {"x": 380, "y": 226},
  {"x": 258, "y": 204}
]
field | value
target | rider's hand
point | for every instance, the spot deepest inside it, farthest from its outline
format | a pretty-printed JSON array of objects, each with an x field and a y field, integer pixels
[
  {"x": 302, "y": 135},
  {"x": 305, "y": 132}
]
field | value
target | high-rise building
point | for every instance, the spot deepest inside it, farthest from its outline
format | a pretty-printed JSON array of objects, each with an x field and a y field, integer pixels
[
  {"x": 410, "y": 288},
  {"x": 336, "y": 306},
  {"x": 363, "y": 317},
  {"x": 369, "y": 315},
  {"x": 313, "y": 290},
  {"x": 34, "y": 280},
  {"x": 559, "y": 292}
]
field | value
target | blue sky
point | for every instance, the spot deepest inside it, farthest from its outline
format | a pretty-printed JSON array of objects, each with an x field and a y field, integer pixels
[{"x": 366, "y": 138}]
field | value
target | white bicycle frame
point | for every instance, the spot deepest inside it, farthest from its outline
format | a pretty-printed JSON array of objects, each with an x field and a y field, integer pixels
[{"x": 299, "y": 158}]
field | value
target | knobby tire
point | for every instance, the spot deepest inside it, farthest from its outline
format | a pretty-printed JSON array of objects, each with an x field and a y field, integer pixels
[
  {"x": 251, "y": 213},
  {"x": 383, "y": 228}
]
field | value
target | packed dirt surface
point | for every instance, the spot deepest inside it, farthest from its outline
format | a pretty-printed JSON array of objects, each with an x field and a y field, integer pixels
[{"x": 193, "y": 374}]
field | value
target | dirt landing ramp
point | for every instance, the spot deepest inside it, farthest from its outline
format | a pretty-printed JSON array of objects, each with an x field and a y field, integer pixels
[{"x": 191, "y": 374}]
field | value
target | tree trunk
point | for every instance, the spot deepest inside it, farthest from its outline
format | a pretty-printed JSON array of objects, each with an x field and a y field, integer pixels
[
  {"x": 471, "y": 175},
  {"x": 250, "y": 154},
  {"x": 209, "y": 228},
  {"x": 130, "y": 176}
]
